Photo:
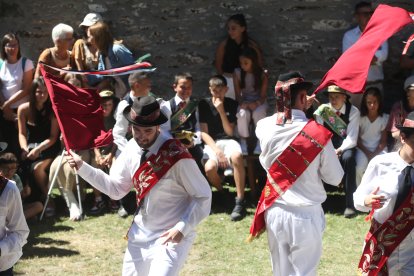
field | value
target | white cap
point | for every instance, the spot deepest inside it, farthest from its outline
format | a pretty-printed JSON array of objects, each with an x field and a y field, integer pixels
[
  {"x": 90, "y": 19},
  {"x": 409, "y": 83}
]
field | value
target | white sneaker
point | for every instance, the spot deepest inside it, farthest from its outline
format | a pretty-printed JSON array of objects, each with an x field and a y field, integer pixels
[
  {"x": 257, "y": 149},
  {"x": 243, "y": 145},
  {"x": 228, "y": 172}
]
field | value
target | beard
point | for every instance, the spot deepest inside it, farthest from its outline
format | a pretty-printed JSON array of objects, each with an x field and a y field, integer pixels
[{"x": 146, "y": 143}]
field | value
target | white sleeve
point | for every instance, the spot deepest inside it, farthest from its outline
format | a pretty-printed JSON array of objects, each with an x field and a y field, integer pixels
[
  {"x": 330, "y": 170},
  {"x": 166, "y": 110},
  {"x": 352, "y": 130},
  {"x": 366, "y": 187},
  {"x": 117, "y": 184},
  {"x": 29, "y": 65},
  {"x": 17, "y": 230},
  {"x": 347, "y": 42},
  {"x": 197, "y": 187},
  {"x": 121, "y": 126},
  {"x": 382, "y": 53}
]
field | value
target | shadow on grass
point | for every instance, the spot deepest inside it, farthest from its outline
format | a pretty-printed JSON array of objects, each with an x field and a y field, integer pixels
[
  {"x": 335, "y": 201},
  {"x": 38, "y": 246}
]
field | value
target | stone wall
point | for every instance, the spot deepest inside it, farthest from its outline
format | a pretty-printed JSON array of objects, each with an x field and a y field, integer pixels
[{"x": 182, "y": 35}]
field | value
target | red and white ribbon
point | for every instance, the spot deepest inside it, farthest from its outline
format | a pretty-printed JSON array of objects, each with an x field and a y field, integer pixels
[{"x": 125, "y": 70}]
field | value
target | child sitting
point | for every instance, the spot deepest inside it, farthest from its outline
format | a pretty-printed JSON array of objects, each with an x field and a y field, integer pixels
[
  {"x": 217, "y": 122},
  {"x": 181, "y": 111},
  {"x": 342, "y": 119},
  {"x": 250, "y": 84},
  {"x": 106, "y": 155},
  {"x": 8, "y": 169},
  {"x": 372, "y": 138}
]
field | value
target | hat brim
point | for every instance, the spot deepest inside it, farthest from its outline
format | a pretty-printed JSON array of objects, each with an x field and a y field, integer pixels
[
  {"x": 159, "y": 121},
  {"x": 302, "y": 85},
  {"x": 86, "y": 24},
  {"x": 332, "y": 92}
]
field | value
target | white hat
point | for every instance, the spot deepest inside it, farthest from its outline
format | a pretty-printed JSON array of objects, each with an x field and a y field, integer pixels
[
  {"x": 90, "y": 19},
  {"x": 409, "y": 83}
]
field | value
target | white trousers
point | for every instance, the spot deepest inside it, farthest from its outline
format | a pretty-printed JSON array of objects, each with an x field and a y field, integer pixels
[
  {"x": 244, "y": 117},
  {"x": 155, "y": 259},
  {"x": 361, "y": 164},
  {"x": 401, "y": 261},
  {"x": 295, "y": 238}
]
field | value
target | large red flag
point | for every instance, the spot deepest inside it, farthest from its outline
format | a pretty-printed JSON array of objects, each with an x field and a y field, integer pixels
[
  {"x": 78, "y": 112},
  {"x": 351, "y": 70}
]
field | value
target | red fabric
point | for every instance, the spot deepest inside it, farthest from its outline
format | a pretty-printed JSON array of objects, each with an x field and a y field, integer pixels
[
  {"x": 78, "y": 112},
  {"x": 351, "y": 70}
]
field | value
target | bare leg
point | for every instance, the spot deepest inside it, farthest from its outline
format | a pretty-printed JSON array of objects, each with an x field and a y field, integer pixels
[
  {"x": 211, "y": 172},
  {"x": 239, "y": 173}
]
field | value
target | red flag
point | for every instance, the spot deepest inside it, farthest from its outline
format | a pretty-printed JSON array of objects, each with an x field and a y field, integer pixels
[
  {"x": 78, "y": 112},
  {"x": 351, "y": 70}
]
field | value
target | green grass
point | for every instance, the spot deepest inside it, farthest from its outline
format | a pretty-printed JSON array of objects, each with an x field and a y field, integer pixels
[{"x": 96, "y": 246}]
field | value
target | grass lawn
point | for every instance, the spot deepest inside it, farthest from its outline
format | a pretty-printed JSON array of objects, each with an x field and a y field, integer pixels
[{"x": 95, "y": 246}]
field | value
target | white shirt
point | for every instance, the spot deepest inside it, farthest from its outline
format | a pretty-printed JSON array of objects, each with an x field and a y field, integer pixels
[
  {"x": 383, "y": 171},
  {"x": 11, "y": 75},
  {"x": 13, "y": 226},
  {"x": 121, "y": 125},
  {"x": 180, "y": 200},
  {"x": 308, "y": 189},
  {"x": 375, "y": 70},
  {"x": 370, "y": 132},
  {"x": 167, "y": 110},
  {"x": 352, "y": 128}
]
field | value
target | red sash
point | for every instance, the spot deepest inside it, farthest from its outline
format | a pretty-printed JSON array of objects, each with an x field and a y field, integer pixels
[
  {"x": 382, "y": 239},
  {"x": 157, "y": 165},
  {"x": 287, "y": 168}
]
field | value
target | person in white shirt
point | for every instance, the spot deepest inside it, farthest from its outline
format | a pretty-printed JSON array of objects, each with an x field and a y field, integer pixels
[
  {"x": 362, "y": 14},
  {"x": 295, "y": 221},
  {"x": 163, "y": 229},
  {"x": 383, "y": 191},
  {"x": 13, "y": 227},
  {"x": 183, "y": 88},
  {"x": 372, "y": 138},
  {"x": 16, "y": 76},
  {"x": 345, "y": 144}
]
